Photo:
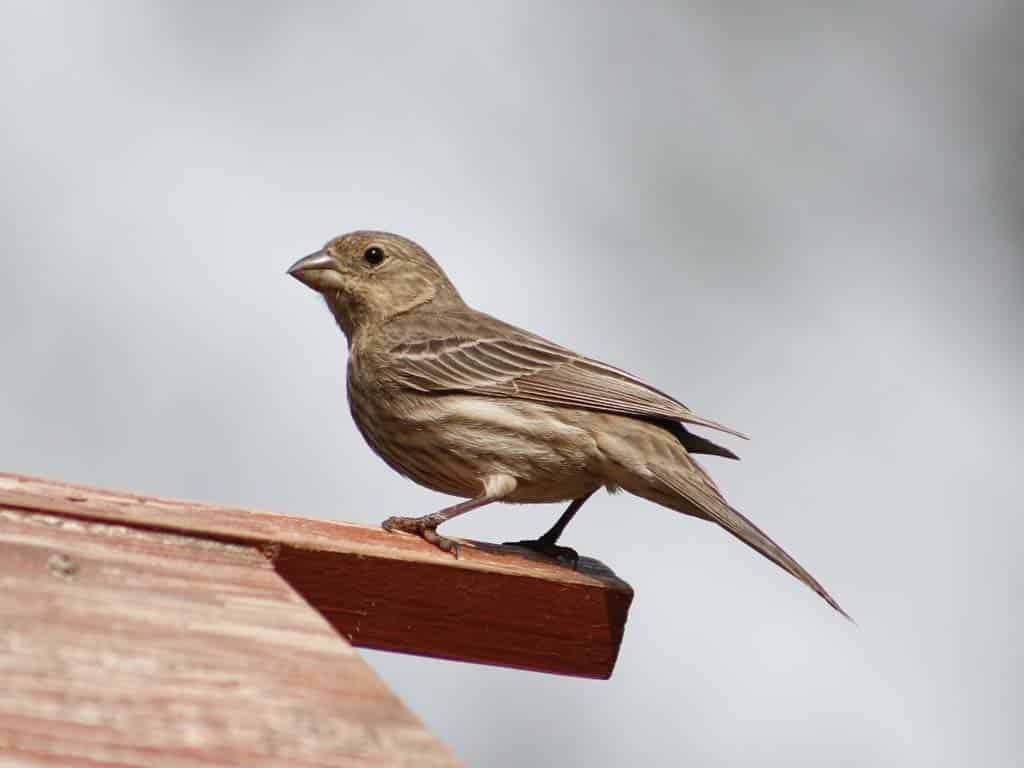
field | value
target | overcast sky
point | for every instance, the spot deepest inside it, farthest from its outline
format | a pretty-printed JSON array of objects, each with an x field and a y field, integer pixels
[{"x": 806, "y": 224}]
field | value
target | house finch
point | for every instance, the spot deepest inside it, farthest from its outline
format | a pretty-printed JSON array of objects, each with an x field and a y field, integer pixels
[{"x": 465, "y": 404}]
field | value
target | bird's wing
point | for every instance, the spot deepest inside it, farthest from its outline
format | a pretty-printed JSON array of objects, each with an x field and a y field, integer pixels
[{"x": 493, "y": 358}]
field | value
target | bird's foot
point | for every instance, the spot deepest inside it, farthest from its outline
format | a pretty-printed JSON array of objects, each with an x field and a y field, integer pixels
[
  {"x": 425, "y": 528},
  {"x": 566, "y": 555}
]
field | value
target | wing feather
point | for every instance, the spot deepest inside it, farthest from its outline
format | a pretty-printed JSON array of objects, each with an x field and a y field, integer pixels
[{"x": 482, "y": 355}]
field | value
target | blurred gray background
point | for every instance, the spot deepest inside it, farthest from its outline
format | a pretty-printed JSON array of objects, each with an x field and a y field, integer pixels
[{"x": 808, "y": 224}]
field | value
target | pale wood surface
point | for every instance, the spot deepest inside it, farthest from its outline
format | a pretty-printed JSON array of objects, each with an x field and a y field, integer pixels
[
  {"x": 121, "y": 646},
  {"x": 494, "y": 605}
]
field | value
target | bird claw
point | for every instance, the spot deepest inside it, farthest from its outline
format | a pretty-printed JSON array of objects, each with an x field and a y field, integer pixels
[
  {"x": 566, "y": 555},
  {"x": 424, "y": 530},
  {"x": 441, "y": 542}
]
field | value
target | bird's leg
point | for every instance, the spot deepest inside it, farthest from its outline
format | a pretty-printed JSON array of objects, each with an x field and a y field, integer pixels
[
  {"x": 426, "y": 526},
  {"x": 546, "y": 545}
]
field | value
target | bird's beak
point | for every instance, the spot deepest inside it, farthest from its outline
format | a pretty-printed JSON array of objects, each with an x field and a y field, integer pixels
[
  {"x": 315, "y": 270},
  {"x": 315, "y": 261}
]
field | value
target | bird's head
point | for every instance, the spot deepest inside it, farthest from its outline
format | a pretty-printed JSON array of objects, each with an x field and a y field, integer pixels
[{"x": 366, "y": 278}]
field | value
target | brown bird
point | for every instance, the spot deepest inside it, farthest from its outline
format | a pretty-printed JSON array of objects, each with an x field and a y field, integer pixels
[{"x": 465, "y": 404}]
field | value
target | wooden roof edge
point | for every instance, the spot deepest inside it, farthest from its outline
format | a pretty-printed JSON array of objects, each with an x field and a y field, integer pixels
[
  {"x": 493, "y": 605},
  {"x": 263, "y": 528}
]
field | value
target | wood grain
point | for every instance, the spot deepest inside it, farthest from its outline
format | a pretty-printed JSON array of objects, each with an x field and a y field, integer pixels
[
  {"x": 493, "y": 605},
  {"x": 126, "y": 646}
]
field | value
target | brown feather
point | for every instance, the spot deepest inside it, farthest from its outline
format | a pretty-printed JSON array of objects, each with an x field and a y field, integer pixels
[
  {"x": 474, "y": 353},
  {"x": 695, "y": 489}
]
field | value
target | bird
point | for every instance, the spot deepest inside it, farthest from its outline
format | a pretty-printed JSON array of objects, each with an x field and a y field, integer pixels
[{"x": 463, "y": 403}]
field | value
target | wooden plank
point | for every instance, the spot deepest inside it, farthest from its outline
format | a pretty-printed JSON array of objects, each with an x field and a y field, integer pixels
[
  {"x": 121, "y": 646},
  {"x": 493, "y": 605}
]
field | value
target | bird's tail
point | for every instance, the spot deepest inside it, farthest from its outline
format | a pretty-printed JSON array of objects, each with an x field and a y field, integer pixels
[{"x": 693, "y": 493}]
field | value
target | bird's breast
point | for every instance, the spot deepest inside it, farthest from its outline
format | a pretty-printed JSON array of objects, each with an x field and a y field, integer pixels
[{"x": 451, "y": 442}]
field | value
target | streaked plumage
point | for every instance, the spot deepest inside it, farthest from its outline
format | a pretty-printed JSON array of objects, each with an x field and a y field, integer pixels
[{"x": 466, "y": 404}]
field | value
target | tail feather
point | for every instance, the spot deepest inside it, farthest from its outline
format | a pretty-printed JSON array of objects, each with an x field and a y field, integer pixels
[
  {"x": 695, "y": 443},
  {"x": 694, "y": 493}
]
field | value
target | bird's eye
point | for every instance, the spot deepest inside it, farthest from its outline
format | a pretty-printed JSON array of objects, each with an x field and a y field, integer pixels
[{"x": 373, "y": 256}]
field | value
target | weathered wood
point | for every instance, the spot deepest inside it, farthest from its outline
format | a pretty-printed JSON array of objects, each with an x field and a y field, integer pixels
[
  {"x": 493, "y": 605},
  {"x": 121, "y": 646}
]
